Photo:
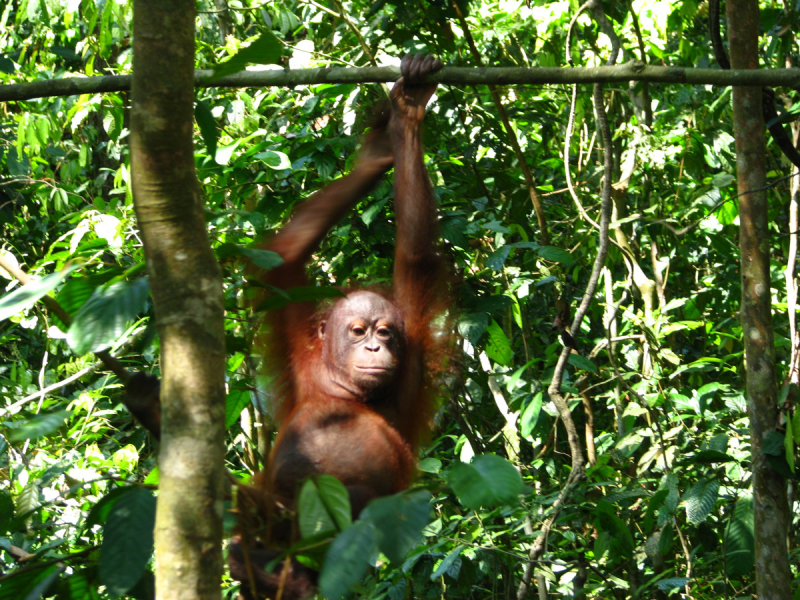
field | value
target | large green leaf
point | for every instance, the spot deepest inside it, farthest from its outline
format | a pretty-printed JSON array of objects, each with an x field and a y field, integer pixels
[
  {"x": 472, "y": 325},
  {"x": 489, "y": 480},
  {"x": 31, "y": 584},
  {"x": 40, "y": 425},
  {"x": 27, "y": 295},
  {"x": 530, "y": 415},
  {"x": 264, "y": 50},
  {"x": 607, "y": 520},
  {"x": 399, "y": 521},
  {"x": 739, "y": 539},
  {"x": 496, "y": 259},
  {"x": 700, "y": 500},
  {"x": 207, "y": 125},
  {"x": 323, "y": 506},
  {"x": 348, "y": 559},
  {"x": 235, "y": 402},
  {"x": 80, "y": 585},
  {"x": 498, "y": 347},
  {"x": 127, "y": 540},
  {"x": 104, "y": 317}
]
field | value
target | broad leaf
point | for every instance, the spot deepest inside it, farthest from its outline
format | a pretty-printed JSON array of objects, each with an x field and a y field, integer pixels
[
  {"x": 348, "y": 559},
  {"x": 104, "y": 317},
  {"x": 739, "y": 540},
  {"x": 127, "y": 540},
  {"x": 488, "y": 481},
  {"x": 399, "y": 521},
  {"x": 40, "y": 426},
  {"x": 264, "y": 50},
  {"x": 27, "y": 295}
]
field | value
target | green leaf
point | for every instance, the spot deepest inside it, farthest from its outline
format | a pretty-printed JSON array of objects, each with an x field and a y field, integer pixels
[
  {"x": 80, "y": 585},
  {"x": 77, "y": 290},
  {"x": 669, "y": 356},
  {"x": 707, "y": 457},
  {"x": 665, "y": 539},
  {"x": 497, "y": 259},
  {"x": 323, "y": 506},
  {"x": 263, "y": 259},
  {"x": 606, "y": 519},
  {"x": 145, "y": 588},
  {"x": 373, "y": 210},
  {"x": 472, "y": 325},
  {"x": 721, "y": 180},
  {"x": 498, "y": 347},
  {"x": 554, "y": 254},
  {"x": 493, "y": 304},
  {"x": 399, "y": 521},
  {"x": 673, "y": 583},
  {"x": 447, "y": 563},
  {"x": 40, "y": 426},
  {"x": 6, "y": 511},
  {"x": 487, "y": 481},
  {"x": 264, "y": 50},
  {"x": 28, "y": 500},
  {"x": 773, "y": 443},
  {"x": 530, "y": 415},
  {"x": 104, "y": 317},
  {"x": 224, "y": 154},
  {"x": 700, "y": 500},
  {"x": 27, "y": 295},
  {"x": 275, "y": 160},
  {"x": 100, "y": 510},
  {"x": 430, "y": 465},
  {"x": 348, "y": 559},
  {"x": 453, "y": 231},
  {"x": 739, "y": 539},
  {"x": 796, "y": 424},
  {"x": 24, "y": 585},
  {"x": 235, "y": 402},
  {"x": 208, "y": 126},
  {"x": 47, "y": 579},
  {"x": 788, "y": 445},
  {"x": 581, "y": 362},
  {"x": 127, "y": 540}
]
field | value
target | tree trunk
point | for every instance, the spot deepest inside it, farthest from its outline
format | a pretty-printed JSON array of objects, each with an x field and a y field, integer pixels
[
  {"x": 771, "y": 508},
  {"x": 187, "y": 290}
]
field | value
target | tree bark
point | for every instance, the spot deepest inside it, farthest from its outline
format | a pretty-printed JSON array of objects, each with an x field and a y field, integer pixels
[
  {"x": 187, "y": 290},
  {"x": 771, "y": 507}
]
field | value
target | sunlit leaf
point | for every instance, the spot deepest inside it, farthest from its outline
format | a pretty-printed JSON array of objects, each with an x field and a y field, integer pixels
[
  {"x": 488, "y": 481},
  {"x": 498, "y": 346},
  {"x": 26, "y": 296},
  {"x": 264, "y": 50},
  {"x": 104, "y": 317},
  {"x": 40, "y": 425}
]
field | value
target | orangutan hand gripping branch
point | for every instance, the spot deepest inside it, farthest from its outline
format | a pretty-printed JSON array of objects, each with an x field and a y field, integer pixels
[{"x": 355, "y": 391}]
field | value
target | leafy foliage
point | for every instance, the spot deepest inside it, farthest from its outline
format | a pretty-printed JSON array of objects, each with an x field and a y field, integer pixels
[{"x": 655, "y": 383}]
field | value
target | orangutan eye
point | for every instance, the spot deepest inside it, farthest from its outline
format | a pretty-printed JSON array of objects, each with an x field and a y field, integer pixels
[
  {"x": 384, "y": 332},
  {"x": 358, "y": 330}
]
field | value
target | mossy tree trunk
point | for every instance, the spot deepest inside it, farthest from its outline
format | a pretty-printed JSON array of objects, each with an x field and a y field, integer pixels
[
  {"x": 770, "y": 502},
  {"x": 187, "y": 290}
]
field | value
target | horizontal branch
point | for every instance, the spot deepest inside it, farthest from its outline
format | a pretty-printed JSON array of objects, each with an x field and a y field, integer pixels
[{"x": 631, "y": 71}]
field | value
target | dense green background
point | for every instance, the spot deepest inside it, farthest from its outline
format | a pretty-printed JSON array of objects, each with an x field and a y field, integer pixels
[{"x": 667, "y": 502}]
